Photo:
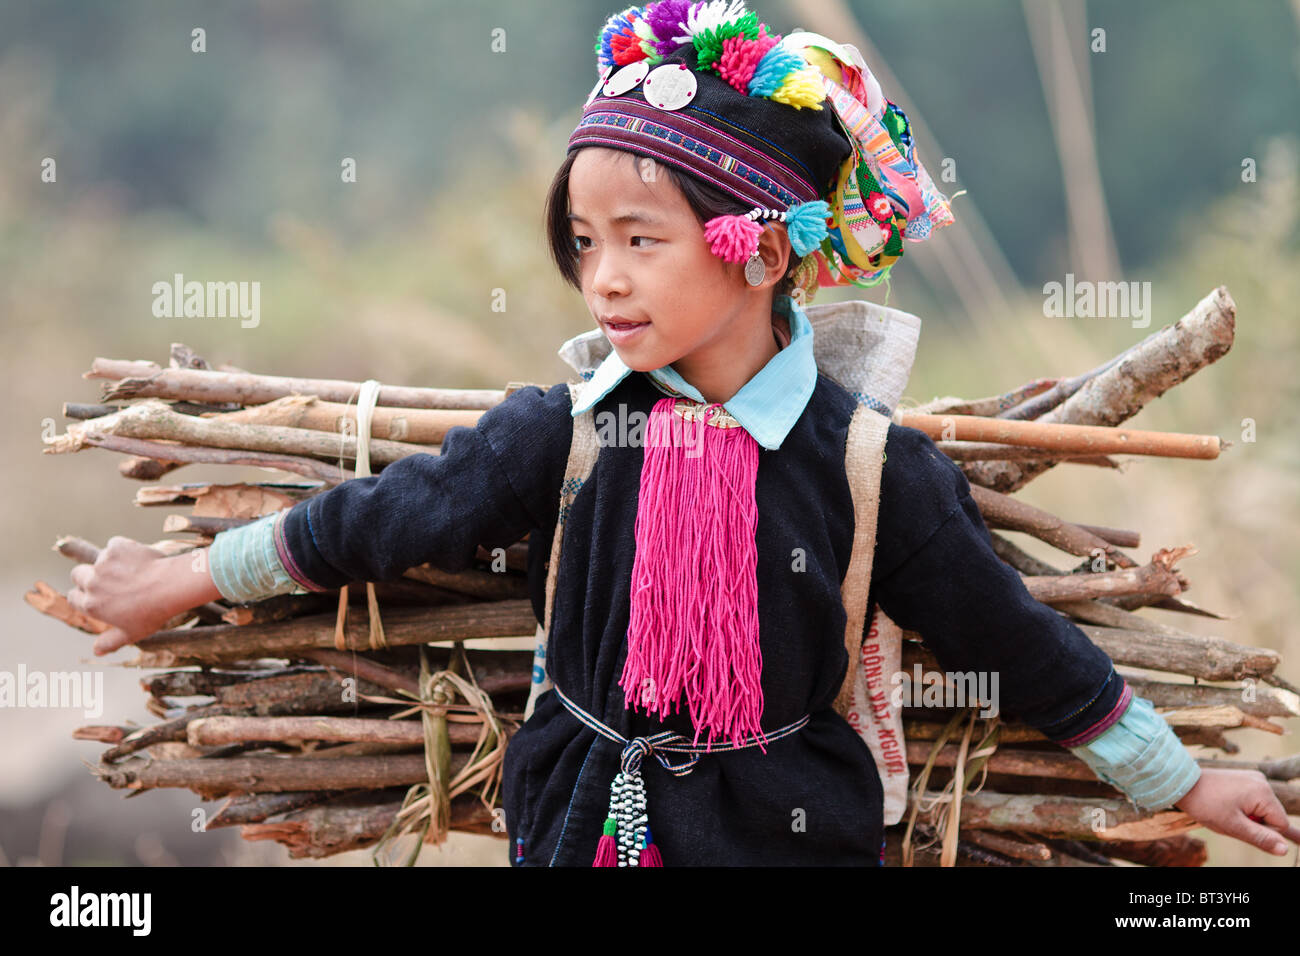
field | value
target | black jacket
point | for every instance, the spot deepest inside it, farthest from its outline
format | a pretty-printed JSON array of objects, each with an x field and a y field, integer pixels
[{"x": 815, "y": 796}]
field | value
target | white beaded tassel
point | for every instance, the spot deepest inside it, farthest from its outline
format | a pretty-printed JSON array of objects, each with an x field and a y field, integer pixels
[{"x": 627, "y": 805}]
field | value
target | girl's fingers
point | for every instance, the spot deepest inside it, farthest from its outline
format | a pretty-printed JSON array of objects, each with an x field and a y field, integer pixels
[
  {"x": 1276, "y": 818},
  {"x": 111, "y": 640},
  {"x": 81, "y": 575},
  {"x": 1255, "y": 815}
]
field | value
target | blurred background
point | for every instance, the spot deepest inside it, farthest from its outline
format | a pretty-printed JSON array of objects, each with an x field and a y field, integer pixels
[{"x": 1155, "y": 142}]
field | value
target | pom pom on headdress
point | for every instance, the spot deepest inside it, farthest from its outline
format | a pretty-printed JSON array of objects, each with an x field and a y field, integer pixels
[
  {"x": 728, "y": 40},
  {"x": 741, "y": 56},
  {"x": 735, "y": 238},
  {"x": 732, "y": 238},
  {"x": 618, "y": 43},
  {"x": 806, "y": 226}
]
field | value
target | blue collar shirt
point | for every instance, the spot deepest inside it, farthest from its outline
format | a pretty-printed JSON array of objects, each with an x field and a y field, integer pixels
[{"x": 767, "y": 406}]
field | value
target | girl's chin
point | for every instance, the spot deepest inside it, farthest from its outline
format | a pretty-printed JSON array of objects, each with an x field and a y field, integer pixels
[{"x": 638, "y": 360}]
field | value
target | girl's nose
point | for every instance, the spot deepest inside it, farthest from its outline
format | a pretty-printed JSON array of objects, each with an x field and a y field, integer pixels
[{"x": 609, "y": 276}]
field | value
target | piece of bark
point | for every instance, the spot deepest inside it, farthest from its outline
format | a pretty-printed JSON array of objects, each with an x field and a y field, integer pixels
[
  {"x": 238, "y": 500},
  {"x": 101, "y": 734},
  {"x": 50, "y": 602}
]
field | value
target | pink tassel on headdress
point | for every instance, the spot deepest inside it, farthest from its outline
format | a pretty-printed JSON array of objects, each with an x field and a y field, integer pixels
[
  {"x": 694, "y": 614},
  {"x": 732, "y": 238}
]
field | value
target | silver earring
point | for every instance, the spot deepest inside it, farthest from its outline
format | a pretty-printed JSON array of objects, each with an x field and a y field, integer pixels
[{"x": 755, "y": 270}]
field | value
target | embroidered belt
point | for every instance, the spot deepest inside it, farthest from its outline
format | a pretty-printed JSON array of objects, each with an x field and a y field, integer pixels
[{"x": 626, "y": 840}]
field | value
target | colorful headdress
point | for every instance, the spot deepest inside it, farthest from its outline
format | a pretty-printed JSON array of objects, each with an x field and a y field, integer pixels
[{"x": 795, "y": 126}]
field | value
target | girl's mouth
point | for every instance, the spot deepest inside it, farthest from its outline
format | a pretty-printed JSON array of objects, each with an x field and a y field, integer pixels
[{"x": 620, "y": 333}]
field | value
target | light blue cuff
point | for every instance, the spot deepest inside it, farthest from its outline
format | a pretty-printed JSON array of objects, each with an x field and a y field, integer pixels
[
  {"x": 245, "y": 566},
  {"x": 1143, "y": 757}
]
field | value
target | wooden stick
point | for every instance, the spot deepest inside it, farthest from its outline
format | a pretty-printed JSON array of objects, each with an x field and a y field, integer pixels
[
  {"x": 951, "y": 405},
  {"x": 1171, "y": 851},
  {"x": 1069, "y": 817},
  {"x": 1033, "y": 406},
  {"x": 1158, "y": 577},
  {"x": 1265, "y": 702},
  {"x": 148, "y": 380},
  {"x": 1209, "y": 658},
  {"x": 402, "y": 626},
  {"x": 1090, "y": 440},
  {"x": 213, "y": 731},
  {"x": 422, "y": 426},
  {"x": 182, "y": 454},
  {"x": 360, "y": 666},
  {"x": 78, "y": 549},
  {"x": 1014, "y": 848},
  {"x": 154, "y": 420},
  {"x": 485, "y": 585},
  {"x": 354, "y": 823},
  {"x": 989, "y": 451},
  {"x": 256, "y": 807},
  {"x": 1005, "y": 512},
  {"x": 218, "y": 778}
]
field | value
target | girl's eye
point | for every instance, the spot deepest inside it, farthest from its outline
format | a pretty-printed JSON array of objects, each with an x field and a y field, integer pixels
[{"x": 579, "y": 240}]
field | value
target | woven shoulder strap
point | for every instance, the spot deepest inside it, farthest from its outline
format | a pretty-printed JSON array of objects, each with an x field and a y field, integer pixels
[
  {"x": 864, "y": 454},
  {"x": 582, "y": 457}
]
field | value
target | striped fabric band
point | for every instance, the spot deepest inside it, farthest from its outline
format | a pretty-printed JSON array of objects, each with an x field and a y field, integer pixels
[
  {"x": 1101, "y": 726},
  {"x": 286, "y": 556},
  {"x": 638, "y": 747},
  {"x": 677, "y": 138}
]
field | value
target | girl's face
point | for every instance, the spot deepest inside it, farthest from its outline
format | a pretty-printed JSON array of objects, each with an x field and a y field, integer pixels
[{"x": 649, "y": 278}]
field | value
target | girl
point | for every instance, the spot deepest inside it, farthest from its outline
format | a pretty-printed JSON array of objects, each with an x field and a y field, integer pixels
[{"x": 718, "y": 175}]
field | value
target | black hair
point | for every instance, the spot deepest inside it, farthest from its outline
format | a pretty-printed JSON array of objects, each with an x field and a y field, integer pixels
[{"x": 705, "y": 200}]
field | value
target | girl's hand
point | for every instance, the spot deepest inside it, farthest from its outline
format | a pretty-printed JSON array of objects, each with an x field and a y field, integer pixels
[
  {"x": 1231, "y": 801},
  {"x": 137, "y": 589}
]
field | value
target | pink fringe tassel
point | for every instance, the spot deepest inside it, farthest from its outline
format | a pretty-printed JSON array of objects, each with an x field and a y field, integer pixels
[
  {"x": 694, "y": 613},
  {"x": 732, "y": 239}
]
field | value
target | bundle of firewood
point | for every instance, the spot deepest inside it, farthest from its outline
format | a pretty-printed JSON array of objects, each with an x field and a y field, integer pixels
[{"x": 332, "y": 723}]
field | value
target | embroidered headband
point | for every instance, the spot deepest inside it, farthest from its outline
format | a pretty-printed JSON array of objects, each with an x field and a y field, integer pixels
[{"x": 795, "y": 126}]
